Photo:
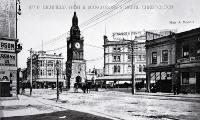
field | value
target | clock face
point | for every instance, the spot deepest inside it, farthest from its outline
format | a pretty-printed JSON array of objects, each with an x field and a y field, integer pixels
[{"x": 77, "y": 45}]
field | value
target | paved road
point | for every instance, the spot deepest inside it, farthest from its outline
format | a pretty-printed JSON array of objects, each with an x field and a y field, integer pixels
[{"x": 110, "y": 104}]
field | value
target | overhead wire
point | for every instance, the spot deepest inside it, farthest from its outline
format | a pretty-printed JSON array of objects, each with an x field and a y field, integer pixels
[{"x": 88, "y": 21}]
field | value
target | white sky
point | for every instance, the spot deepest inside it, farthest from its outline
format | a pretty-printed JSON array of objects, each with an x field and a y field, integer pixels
[{"x": 35, "y": 25}]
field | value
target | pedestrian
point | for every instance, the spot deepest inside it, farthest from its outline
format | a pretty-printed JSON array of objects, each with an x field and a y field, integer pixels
[
  {"x": 75, "y": 87},
  {"x": 23, "y": 88},
  {"x": 60, "y": 88}
]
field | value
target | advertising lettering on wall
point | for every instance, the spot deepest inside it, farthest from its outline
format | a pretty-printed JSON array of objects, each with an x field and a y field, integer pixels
[
  {"x": 8, "y": 59},
  {"x": 8, "y": 46}
]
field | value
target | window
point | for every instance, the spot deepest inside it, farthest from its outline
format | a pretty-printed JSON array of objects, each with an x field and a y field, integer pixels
[
  {"x": 116, "y": 58},
  {"x": 118, "y": 49},
  {"x": 140, "y": 57},
  {"x": 50, "y": 63},
  {"x": 41, "y": 73},
  {"x": 144, "y": 68},
  {"x": 116, "y": 69},
  {"x": 129, "y": 69},
  {"x": 165, "y": 56},
  {"x": 140, "y": 68},
  {"x": 154, "y": 58},
  {"x": 114, "y": 49},
  {"x": 186, "y": 51},
  {"x": 144, "y": 57},
  {"x": 49, "y": 73},
  {"x": 129, "y": 58},
  {"x": 185, "y": 78}
]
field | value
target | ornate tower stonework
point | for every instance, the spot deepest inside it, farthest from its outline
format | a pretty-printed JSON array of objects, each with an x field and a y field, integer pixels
[{"x": 75, "y": 65}]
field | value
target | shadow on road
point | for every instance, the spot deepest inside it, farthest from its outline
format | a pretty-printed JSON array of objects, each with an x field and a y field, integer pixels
[{"x": 65, "y": 115}]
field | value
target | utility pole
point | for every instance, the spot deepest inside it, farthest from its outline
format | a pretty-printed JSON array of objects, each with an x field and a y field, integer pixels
[
  {"x": 57, "y": 69},
  {"x": 133, "y": 67},
  {"x": 31, "y": 80}
]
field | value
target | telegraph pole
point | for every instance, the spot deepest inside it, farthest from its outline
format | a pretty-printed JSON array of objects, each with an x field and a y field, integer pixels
[
  {"x": 31, "y": 80},
  {"x": 133, "y": 67},
  {"x": 57, "y": 69}
]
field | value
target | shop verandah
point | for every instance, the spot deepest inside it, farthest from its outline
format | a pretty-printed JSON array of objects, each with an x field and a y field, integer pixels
[{"x": 120, "y": 82}]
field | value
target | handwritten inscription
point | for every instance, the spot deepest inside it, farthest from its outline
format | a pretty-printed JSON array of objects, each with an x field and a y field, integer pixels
[{"x": 181, "y": 22}]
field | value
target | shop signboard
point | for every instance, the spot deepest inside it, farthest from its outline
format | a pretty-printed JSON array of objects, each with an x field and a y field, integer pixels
[
  {"x": 8, "y": 46},
  {"x": 8, "y": 59}
]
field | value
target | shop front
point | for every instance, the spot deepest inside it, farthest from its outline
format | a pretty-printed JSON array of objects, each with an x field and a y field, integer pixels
[
  {"x": 8, "y": 66},
  {"x": 160, "y": 79}
]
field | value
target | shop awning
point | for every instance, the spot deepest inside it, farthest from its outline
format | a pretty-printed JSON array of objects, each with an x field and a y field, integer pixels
[
  {"x": 50, "y": 80},
  {"x": 120, "y": 78}
]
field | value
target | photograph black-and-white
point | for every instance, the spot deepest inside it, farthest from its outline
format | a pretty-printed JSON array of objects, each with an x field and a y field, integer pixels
[{"x": 99, "y": 60}]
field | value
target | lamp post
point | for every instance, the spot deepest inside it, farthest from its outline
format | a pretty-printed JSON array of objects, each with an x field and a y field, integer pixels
[
  {"x": 57, "y": 69},
  {"x": 18, "y": 12}
]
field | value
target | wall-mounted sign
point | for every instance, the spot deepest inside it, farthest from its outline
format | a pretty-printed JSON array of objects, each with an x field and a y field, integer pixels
[
  {"x": 8, "y": 46},
  {"x": 8, "y": 59}
]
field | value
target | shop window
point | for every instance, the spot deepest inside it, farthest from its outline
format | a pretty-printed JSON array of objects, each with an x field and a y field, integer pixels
[
  {"x": 185, "y": 78},
  {"x": 186, "y": 51},
  {"x": 154, "y": 57},
  {"x": 165, "y": 56}
]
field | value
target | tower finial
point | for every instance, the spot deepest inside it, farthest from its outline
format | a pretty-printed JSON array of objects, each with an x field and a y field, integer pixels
[{"x": 75, "y": 19}]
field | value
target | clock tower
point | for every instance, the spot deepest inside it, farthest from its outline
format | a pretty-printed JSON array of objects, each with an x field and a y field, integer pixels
[{"x": 75, "y": 65}]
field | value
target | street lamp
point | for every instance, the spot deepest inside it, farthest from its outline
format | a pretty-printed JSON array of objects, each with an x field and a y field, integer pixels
[
  {"x": 57, "y": 69},
  {"x": 18, "y": 12}
]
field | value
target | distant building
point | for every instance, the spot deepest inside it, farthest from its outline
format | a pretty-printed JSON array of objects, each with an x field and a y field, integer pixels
[
  {"x": 188, "y": 60},
  {"x": 44, "y": 69},
  {"x": 117, "y": 61},
  {"x": 160, "y": 61},
  {"x": 92, "y": 75}
]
